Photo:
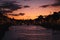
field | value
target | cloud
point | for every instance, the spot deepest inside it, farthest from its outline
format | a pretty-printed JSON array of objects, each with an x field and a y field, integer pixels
[
  {"x": 14, "y": 14},
  {"x": 57, "y": 3},
  {"x": 44, "y": 6},
  {"x": 21, "y": 14},
  {"x": 11, "y": 5},
  {"x": 26, "y": 6}
]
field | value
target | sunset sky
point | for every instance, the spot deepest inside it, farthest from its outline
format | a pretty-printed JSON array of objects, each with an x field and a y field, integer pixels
[{"x": 34, "y": 8}]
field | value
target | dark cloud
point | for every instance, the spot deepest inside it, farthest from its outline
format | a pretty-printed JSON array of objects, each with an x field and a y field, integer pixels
[
  {"x": 9, "y": 1},
  {"x": 57, "y": 3},
  {"x": 44, "y": 6},
  {"x": 14, "y": 14},
  {"x": 11, "y": 5},
  {"x": 26, "y": 6},
  {"x": 7, "y": 11},
  {"x": 21, "y": 14}
]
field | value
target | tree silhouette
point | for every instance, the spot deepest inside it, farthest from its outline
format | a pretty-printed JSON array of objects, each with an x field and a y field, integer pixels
[
  {"x": 55, "y": 16},
  {"x": 53, "y": 21},
  {"x": 6, "y": 7},
  {"x": 39, "y": 19}
]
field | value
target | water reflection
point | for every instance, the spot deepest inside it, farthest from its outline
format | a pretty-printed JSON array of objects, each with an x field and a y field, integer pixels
[{"x": 28, "y": 33}]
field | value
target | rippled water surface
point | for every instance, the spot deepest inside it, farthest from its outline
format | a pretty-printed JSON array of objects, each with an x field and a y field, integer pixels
[{"x": 28, "y": 33}]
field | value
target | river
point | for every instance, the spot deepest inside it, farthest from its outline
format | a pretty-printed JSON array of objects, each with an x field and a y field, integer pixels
[{"x": 30, "y": 32}]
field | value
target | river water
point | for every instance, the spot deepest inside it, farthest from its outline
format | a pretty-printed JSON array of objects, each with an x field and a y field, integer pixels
[{"x": 30, "y": 32}]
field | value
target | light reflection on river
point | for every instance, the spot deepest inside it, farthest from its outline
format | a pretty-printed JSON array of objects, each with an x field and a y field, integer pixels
[{"x": 28, "y": 33}]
